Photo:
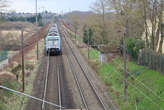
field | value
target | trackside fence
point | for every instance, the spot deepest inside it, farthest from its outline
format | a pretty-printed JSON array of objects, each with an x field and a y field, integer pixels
[
  {"x": 3, "y": 55},
  {"x": 152, "y": 60}
]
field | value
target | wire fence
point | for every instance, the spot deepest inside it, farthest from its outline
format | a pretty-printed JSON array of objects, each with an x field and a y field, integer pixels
[
  {"x": 3, "y": 55},
  {"x": 152, "y": 60}
]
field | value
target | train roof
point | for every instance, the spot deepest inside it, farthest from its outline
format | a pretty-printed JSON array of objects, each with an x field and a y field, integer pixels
[
  {"x": 53, "y": 34},
  {"x": 53, "y": 30},
  {"x": 47, "y": 37}
]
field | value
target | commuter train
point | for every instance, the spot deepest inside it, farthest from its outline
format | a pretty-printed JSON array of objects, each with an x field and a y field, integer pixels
[{"x": 53, "y": 41}]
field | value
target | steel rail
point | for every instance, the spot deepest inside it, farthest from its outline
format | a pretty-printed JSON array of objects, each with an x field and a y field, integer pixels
[
  {"x": 59, "y": 86},
  {"x": 78, "y": 84},
  {"x": 46, "y": 81},
  {"x": 86, "y": 76}
]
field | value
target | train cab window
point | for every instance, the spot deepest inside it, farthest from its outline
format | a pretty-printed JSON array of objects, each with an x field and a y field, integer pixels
[{"x": 53, "y": 42}]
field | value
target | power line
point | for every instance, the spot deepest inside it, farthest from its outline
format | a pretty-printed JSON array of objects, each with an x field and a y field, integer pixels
[
  {"x": 142, "y": 93},
  {"x": 142, "y": 84},
  {"x": 29, "y": 96}
]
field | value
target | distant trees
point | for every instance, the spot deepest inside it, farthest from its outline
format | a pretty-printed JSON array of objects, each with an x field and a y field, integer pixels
[
  {"x": 75, "y": 23},
  {"x": 16, "y": 19},
  {"x": 101, "y": 8},
  {"x": 75, "y": 27},
  {"x": 141, "y": 18},
  {"x": 88, "y": 33},
  {"x": 31, "y": 19},
  {"x": 3, "y": 4}
]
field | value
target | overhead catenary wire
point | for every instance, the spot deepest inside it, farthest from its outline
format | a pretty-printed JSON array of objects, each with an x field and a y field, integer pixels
[
  {"x": 145, "y": 95},
  {"x": 29, "y": 96},
  {"x": 142, "y": 84},
  {"x": 141, "y": 92}
]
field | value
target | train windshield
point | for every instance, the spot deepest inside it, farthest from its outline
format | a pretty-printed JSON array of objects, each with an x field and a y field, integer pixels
[{"x": 53, "y": 42}]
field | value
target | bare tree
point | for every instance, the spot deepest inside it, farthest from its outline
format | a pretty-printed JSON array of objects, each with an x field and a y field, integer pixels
[
  {"x": 75, "y": 26},
  {"x": 161, "y": 26},
  {"x": 145, "y": 5},
  {"x": 101, "y": 8}
]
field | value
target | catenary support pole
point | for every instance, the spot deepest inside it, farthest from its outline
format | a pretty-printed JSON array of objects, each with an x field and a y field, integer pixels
[
  {"x": 36, "y": 15},
  {"x": 22, "y": 47},
  {"x": 125, "y": 62}
]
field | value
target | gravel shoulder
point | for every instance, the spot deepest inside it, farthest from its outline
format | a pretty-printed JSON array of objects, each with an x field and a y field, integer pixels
[{"x": 38, "y": 87}]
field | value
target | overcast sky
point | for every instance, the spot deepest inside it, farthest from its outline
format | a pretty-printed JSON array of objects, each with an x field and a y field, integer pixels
[{"x": 51, "y": 5}]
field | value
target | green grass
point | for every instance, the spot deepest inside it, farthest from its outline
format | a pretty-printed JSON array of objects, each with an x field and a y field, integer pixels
[
  {"x": 77, "y": 37},
  {"x": 4, "y": 94},
  {"x": 11, "y": 101},
  {"x": 145, "y": 89},
  {"x": 94, "y": 54},
  {"x": 141, "y": 82},
  {"x": 138, "y": 96}
]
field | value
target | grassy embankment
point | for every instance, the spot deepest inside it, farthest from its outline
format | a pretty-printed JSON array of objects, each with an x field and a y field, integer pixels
[
  {"x": 145, "y": 89},
  {"x": 11, "y": 101}
]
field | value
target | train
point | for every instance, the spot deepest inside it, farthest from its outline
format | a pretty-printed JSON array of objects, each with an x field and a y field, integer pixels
[{"x": 53, "y": 41}]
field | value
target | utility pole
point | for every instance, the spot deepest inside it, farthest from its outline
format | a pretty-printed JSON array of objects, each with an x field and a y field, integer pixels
[
  {"x": 36, "y": 6},
  {"x": 22, "y": 47},
  {"x": 46, "y": 12},
  {"x": 125, "y": 65},
  {"x": 88, "y": 47}
]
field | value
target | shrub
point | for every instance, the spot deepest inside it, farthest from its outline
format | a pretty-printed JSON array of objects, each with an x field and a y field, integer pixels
[
  {"x": 133, "y": 46},
  {"x": 88, "y": 36}
]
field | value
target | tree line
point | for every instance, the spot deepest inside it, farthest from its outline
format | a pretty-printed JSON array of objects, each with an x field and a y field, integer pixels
[
  {"x": 31, "y": 19},
  {"x": 141, "y": 20}
]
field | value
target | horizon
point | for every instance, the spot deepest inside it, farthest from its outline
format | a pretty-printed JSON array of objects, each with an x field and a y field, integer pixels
[{"x": 58, "y": 6}]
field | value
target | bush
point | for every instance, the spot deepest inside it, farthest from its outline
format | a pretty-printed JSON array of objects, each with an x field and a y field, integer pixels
[
  {"x": 88, "y": 36},
  {"x": 133, "y": 46}
]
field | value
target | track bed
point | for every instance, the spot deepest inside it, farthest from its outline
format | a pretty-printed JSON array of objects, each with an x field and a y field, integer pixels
[{"x": 50, "y": 92}]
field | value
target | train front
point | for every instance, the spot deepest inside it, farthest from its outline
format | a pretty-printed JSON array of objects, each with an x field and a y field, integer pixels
[{"x": 53, "y": 45}]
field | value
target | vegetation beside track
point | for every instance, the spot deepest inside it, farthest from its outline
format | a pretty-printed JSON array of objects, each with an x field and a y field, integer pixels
[
  {"x": 145, "y": 86},
  {"x": 11, "y": 101}
]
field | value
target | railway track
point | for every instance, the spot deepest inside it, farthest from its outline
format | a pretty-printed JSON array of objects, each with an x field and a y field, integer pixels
[
  {"x": 85, "y": 96},
  {"x": 53, "y": 77}
]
